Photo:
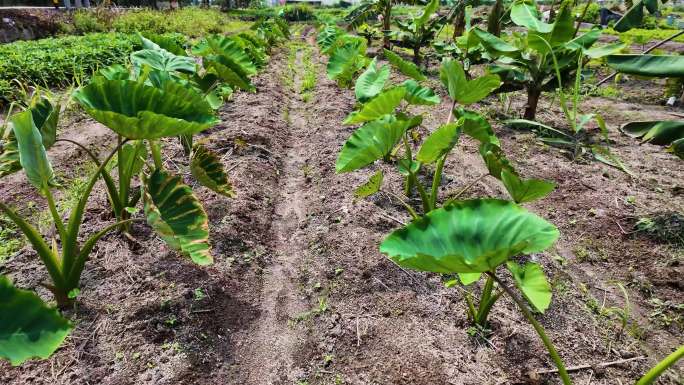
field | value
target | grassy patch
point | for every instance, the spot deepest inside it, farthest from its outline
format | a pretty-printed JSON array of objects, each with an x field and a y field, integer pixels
[{"x": 11, "y": 240}]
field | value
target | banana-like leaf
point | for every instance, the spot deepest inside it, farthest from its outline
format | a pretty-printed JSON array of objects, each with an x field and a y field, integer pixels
[
  {"x": 381, "y": 105},
  {"x": 563, "y": 26},
  {"x": 370, "y": 142},
  {"x": 440, "y": 142},
  {"x": 428, "y": 11},
  {"x": 371, "y": 81},
  {"x": 9, "y": 155},
  {"x": 531, "y": 280},
  {"x": 207, "y": 168},
  {"x": 604, "y": 50},
  {"x": 526, "y": 190},
  {"x": 163, "y": 60},
  {"x": 32, "y": 154},
  {"x": 177, "y": 216},
  {"x": 471, "y": 236},
  {"x": 661, "y": 132},
  {"x": 229, "y": 71},
  {"x": 28, "y": 327},
  {"x": 418, "y": 95},
  {"x": 371, "y": 187},
  {"x": 138, "y": 111},
  {"x": 493, "y": 44},
  {"x": 524, "y": 13},
  {"x": 462, "y": 90},
  {"x": 405, "y": 67},
  {"x": 632, "y": 18},
  {"x": 677, "y": 148},
  {"x": 665, "y": 66}
]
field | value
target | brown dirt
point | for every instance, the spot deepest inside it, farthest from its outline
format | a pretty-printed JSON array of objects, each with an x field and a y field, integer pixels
[{"x": 299, "y": 293}]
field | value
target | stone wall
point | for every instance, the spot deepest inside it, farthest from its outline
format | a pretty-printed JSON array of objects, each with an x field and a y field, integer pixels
[{"x": 28, "y": 24}]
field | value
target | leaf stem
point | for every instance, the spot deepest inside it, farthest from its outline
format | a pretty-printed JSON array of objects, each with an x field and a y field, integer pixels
[
  {"x": 436, "y": 181},
  {"x": 537, "y": 327},
  {"x": 663, "y": 365},
  {"x": 156, "y": 154}
]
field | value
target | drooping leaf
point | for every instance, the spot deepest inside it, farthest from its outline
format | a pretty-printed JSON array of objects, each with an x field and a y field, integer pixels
[
  {"x": 155, "y": 41},
  {"x": 163, "y": 60},
  {"x": 563, "y": 26},
  {"x": 138, "y": 111},
  {"x": 476, "y": 126},
  {"x": 405, "y": 67},
  {"x": 462, "y": 90},
  {"x": 419, "y": 95},
  {"x": 371, "y": 82},
  {"x": 495, "y": 160},
  {"x": 32, "y": 154},
  {"x": 381, "y": 105},
  {"x": 371, "y": 187},
  {"x": 524, "y": 13},
  {"x": 9, "y": 155},
  {"x": 470, "y": 236},
  {"x": 531, "y": 280},
  {"x": 370, "y": 142},
  {"x": 493, "y": 44},
  {"x": 428, "y": 11},
  {"x": 526, "y": 190},
  {"x": 677, "y": 148},
  {"x": 648, "y": 65},
  {"x": 207, "y": 168},
  {"x": 177, "y": 216},
  {"x": 632, "y": 18},
  {"x": 439, "y": 143},
  {"x": 229, "y": 72},
  {"x": 28, "y": 327},
  {"x": 229, "y": 49},
  {"x": 661, "y": 132},
  {"x": 604, "y": 50}
]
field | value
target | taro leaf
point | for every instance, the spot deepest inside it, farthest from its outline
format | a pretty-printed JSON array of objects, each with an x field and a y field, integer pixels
[
  {"x": 665, "y": 66},
  {"x": 370, "y": 142},
  {"x": 228, "y": 48},
  {"x": 525, "y": 190},
  {"x": 495, "y": 160},
  {"x": 115, "y": 72},
  {"x": 167, "y": 43},
  {"x": 440, "y": 142},
  {"x": 32, "y": 154},
  {"x": 661, "y": 132},
  {"x": 327, "y": 36},
  {"x": 177, "y": 216},
  {"x": 462, "y": 90},
  {"x": 524, "y": 13},
  {"x": 476, "y": 126},
  {"x": 381, "y": 105},
  {"x": 471, "y": 236},
  {"x": 407, "y": 68},
  {"x": 403, "y": 167},
  {"x": 163, "y": 60},
  {"x": 469, "y": 278},
  {"x": 418, "y": 95},
  {"x": 28, "y": 327},
  {"x": 229, "y": 71},
  {"x": 9, "y": 155},
  {"x": 45, "y": 117},
  {"x": 138, "y": 111},
  {"x": 207, "y": 168},
  {"x": 371, "y": 82},
  {"x": 371, "y": 187},
  {"x": 531, "y": 280}
]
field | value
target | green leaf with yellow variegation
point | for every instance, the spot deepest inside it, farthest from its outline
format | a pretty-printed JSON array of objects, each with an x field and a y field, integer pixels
[
  {"x": 371, "y": 187},
  {"x": 207, "y": 168}
]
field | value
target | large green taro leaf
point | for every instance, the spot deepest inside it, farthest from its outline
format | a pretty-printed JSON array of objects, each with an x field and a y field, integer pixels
[
  {"x": 471, "y": 236},
  {"x": 163, "y": 60},
  {"x": 405, "y": 67},
  {"x": 664, "y": 66},
  {"x": 165, "y": 42},
  {"x": 371, "y": 142},
  {"x": 207, "y": 168},
  {"x": 32, "y": 154},
  {"x": 138, "y": 111},
  {"x": 381, "y": 105},
  {"x": 371, "y": 81},
  {"x": 418, "y": 95},
  {"x": 440, "y": 142},
  {"x": 227, "y": 47},
  {"x": 229, "y": 71},
  {"x": 343, "y": 63},
  {"x": 176, "y": 214},
  {"x": 661, "y": 132},
  {"x": 28, "y": 327},
  {"x": 463, "y": 90}
]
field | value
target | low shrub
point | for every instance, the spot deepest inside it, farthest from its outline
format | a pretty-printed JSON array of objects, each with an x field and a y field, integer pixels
[
  {"x": 193, "y": 22},
  {"x": 56, "y": 62},
  {"x": 87, "y": 22},
  {"x": 592, "y": 15}
]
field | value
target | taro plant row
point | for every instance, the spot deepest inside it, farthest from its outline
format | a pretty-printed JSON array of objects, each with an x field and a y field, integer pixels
[{"x": 164, "y": 93}]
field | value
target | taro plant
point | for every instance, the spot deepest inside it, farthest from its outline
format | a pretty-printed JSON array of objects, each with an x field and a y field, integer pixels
[{"x": 479, "y": 237}]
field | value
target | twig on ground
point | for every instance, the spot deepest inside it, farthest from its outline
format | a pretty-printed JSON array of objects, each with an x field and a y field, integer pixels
[{"x": 590, "y": 366}]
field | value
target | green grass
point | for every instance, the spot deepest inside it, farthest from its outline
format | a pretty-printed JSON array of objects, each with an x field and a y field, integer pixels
[
  {"x": 648, "y": 35},
  {"x": 11, "y": 240}
]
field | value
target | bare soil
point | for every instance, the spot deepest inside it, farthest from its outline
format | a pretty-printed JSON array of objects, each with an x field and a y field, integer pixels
[{"x": 299, "y": 293}]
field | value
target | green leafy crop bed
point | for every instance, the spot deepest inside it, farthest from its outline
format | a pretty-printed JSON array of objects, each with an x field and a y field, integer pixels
[{"x": 59, "y": 61}]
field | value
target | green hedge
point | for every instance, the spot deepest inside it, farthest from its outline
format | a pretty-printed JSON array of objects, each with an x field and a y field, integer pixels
[{"x": 57, "y": 62}]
